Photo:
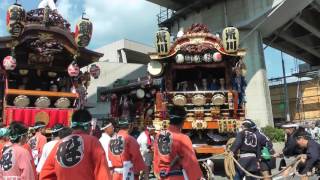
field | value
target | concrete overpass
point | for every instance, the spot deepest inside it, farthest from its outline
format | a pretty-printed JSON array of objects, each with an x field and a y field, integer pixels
[{"x": 288, "y": 25}]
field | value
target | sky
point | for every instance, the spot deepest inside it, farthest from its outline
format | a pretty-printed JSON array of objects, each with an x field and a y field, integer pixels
[{"x": 130, "y": 19}]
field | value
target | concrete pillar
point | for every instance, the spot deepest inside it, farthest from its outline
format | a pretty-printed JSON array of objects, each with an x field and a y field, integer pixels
[
  {"x": 124, "y": 56},
  {"x": 258, "y": 107}
]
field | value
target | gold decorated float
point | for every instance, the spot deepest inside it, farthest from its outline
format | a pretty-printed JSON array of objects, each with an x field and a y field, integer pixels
[
  {"x": 204, "y": 73},
  {"x": 41, "y": 61}
]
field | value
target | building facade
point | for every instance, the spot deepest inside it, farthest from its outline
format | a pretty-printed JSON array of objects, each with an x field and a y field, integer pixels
[
  {"x": 124, "y": 60},
  {"x": 303, "y": 91}
]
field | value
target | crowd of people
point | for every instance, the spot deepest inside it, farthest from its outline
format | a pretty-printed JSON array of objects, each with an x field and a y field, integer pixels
[
  {"x": 75, "y": 153},
  {"x": 256, "y": 154}
]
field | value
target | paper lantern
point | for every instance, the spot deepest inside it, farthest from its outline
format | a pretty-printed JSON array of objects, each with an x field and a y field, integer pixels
[
  {"x": 217, "y": 57},
  {"x": 83, "y": 32},
  {"x": 179, "y": 58},
  {"x": 196, "y": 59},
  {"x": 15, "y": 20},
  {"x": 207, "y": 57},
  {"x": 73, "y": 69},
  {"x": 9, "y": 63},
  {"x": 95, "y": 71},
  {"x": 188, "y": 58},
  {"x": 163, "y": 41},
  {"x": 230, "y": 39}
]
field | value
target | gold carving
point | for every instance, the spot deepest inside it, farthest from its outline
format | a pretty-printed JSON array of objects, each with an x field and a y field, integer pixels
[
  {"x": 199, "y": 124},
  {"x": 45, "y": 36}
]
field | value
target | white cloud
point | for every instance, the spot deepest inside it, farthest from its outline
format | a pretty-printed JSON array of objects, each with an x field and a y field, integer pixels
[
  {"x": 117, "y": 19},
  {"x": 70, "y": 11},
  {"x": 112, "y": 19}
]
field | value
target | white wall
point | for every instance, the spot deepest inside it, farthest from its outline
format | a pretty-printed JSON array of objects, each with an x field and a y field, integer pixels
[
  {"x": 110, "y": 51},
  {"x": 110, "y": 72}
]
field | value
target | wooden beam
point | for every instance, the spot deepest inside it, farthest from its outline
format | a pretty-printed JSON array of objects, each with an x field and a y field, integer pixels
[
  {"x": 207, "y": 149},
  {"x": 40, "y": 93}
]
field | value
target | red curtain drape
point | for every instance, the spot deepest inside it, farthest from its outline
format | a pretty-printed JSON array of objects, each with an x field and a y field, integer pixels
[{"x": 27, "y": 116}]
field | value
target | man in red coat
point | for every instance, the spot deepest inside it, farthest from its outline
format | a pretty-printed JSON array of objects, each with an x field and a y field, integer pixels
[
  {"x": 4, "y": 139},
  {"x": 78, "y": 156},
  {"x": 124, "y": 154},
  {"x": 16, "y": 161},
  {"x": 38, "y": 141},
  {"x": 174, "y": 157}
]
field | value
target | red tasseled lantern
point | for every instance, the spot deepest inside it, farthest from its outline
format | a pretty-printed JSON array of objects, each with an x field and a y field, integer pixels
[
  {"x": 217, "y": 57},
  {"x": 73, "y": 70},
  {"x": 15, "y": 19},
  {"x": 9, "y": 63},
  {"x": 83, "y": 32},
  {"x": 95, "y": 71}
]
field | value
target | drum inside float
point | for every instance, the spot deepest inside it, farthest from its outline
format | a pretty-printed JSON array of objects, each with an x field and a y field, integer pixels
[
  {"x": 21, "y": 101},
  {"x": 62, "y": 103},
  {"x": 218, "y": 99},
  {"x": 140, "y": 93},
  {"x": 179, "y": 100},
  {"x": 42, "y": 102},
  {"x": 199, "y": 100}
]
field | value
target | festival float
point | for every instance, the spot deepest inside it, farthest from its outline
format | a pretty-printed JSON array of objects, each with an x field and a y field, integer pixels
[
  {"x": 133, "y": 100},
  {"x": 40, "y": 71},
  {"x": 204, "y": 73}
]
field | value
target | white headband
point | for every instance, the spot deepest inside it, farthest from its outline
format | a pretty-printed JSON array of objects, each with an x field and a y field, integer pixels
[
  {"x": 56, "y": 130},
  {"x": 39, "y": 126},
  {"x": 105, "y": 127},
  {"x": 151, "y": 128},
  {"x": 290, "y": 126}
]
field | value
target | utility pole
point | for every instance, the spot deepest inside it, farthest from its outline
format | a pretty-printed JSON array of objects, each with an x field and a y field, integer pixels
[{"x": 287, "y": 109}]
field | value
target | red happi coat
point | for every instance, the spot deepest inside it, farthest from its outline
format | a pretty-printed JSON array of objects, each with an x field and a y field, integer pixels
[
  {"x": 1, "y": 147},
  {"x": 6, "y": 144},
  {"x": 123, "y": 148},
  {"x": 16, "y": 163},
  {"x": 79, "y": 157},
  {"x": 176, "y": 144},
  {"x": 36, "y": 143},
  {"x": 28, "y": 148}
]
